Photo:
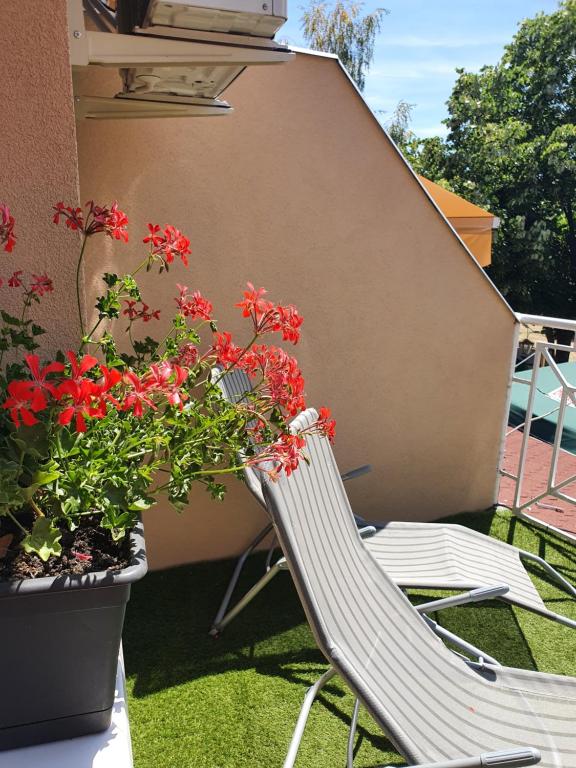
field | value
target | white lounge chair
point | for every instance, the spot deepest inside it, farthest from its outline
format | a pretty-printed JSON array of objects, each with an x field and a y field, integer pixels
[{"x": 437, "y": 708}]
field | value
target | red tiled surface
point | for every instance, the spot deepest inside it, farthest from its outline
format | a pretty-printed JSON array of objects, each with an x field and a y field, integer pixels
[{"x": 549, "y": 509}]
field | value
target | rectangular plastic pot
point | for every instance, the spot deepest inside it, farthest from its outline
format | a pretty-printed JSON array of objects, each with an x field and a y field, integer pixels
[{"x": 59, "y": 644}]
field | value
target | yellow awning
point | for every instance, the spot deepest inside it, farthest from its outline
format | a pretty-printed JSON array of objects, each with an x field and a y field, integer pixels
[{"x": 473, "y": 224}]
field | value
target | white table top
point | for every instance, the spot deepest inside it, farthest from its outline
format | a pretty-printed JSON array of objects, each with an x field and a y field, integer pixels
[{"x": 109, "y": 749}]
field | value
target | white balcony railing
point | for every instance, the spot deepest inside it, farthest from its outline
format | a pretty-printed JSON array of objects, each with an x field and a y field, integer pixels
[{"x": 536, "y": 356}]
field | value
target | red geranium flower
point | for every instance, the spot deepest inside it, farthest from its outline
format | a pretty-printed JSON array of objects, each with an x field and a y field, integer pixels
[
  {"x": 254, "y": 305},
  {"x": 282, "y": 381},
  {"x": 7, "y": 236},
  {"x": 325, "y": 424},
  {"x": 167, "y": 243},
  {"x": 138, "y": 395},
  {"x": 112, "y": 221},
  {"x": 225, "y": 350},
  {"x": 79, "y": 368},
  {"x": 15, "y": 281},
  {"x": 187, "y": 355},
  {"x": 42, "y": 284},
  {"x": 39, "y": 381},
  {"x": 109, "y": 220},
  {"x": 72, "y": 216},
  {"x": 140, "y": 314},
  {"x": 193, "y": 306},
  {"x": 267, "y": 317},
  {"x": 23, "y": 402},
  {"x": 81, "y": 393},
  {"x": 285, "y": 454}
]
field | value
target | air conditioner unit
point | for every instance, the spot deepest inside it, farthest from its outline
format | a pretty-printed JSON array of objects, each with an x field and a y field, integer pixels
[
  {"x": 206, "y": 82},
  {"x": 257, "y": 18},
  {"x": 173, "y": 55}
]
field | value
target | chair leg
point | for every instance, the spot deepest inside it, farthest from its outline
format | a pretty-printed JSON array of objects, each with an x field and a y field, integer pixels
[
  {"x": 311, "y": 694},
  {"x": 549, "y": 569},
  {"x": 560, "y": 580},
  {"x": 270, "y": 555},
  {"x": 352, "y": 734},
  {"x": 248, "y": 597},
  {"x": 236, "y": 575}
]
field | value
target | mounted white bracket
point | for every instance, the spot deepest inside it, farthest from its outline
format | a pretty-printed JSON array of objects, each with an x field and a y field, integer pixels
[
  {"x": 125, "y": 51},
  {"x": 108, "y": 49},
  {"x": 119, "y": 107}
]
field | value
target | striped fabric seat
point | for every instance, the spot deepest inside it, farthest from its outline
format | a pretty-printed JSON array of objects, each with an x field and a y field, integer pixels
[
  {"x": 443, "y": 556},
  {"x": 432, "y": 704},
  {"x": 430, "y": 555}
]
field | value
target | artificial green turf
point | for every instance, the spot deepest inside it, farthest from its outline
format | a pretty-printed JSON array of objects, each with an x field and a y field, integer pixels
[{"x": 195, "y": 702}]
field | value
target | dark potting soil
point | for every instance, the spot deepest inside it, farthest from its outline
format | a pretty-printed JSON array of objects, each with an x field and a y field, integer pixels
[{"x": 86, "y": 549}]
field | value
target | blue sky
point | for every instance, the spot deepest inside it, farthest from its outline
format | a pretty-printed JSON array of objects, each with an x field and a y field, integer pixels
[{"x": 421, "y": 44}]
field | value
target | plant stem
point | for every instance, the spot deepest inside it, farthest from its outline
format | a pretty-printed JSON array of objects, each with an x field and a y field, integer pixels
[
  {"x": 14, "y": 520},
  {"x": 226, "y": 471},
  {"x": 78, "y": 268},
  {"x": 37, "y": 511}
]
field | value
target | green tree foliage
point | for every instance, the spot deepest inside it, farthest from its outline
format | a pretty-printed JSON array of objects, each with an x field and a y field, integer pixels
[
  {"x": 398, "y": 124},
  {"x": 340, "y": 28},
  {"x": 511, "y": 147}
]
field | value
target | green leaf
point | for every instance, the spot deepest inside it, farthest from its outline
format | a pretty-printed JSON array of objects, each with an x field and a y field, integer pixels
[
  {"x": 43, "y": 540},
  {"x": 139, "y": 505},
  {"x": 10, "y": 319},
  {"x": 110, "y": 279},
  {"x": 10, "y": 492}
]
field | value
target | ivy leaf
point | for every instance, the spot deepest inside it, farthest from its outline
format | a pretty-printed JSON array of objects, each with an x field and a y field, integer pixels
[
  {"x": 10, "y": 492},
  {"x": 43, "y": 539},
  {"x": 39, "y": 479}
]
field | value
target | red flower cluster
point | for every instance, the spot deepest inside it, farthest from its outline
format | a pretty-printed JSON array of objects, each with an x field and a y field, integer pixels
[
  {"x": 40, "y": 285},
  {"x": 7, "y": 236},
  {"x": 285, "y": 455},
  {"x": 194, "y": 306},
  {"x": 109, "y": 220},
  {"x": 77, "y": 397},
  {"x": 325, "y": 424},
  {"x": 143, "y": 313},
  {"x": 282, "y": 381},
  {"x": 187, "y": 356},
  {"x": 268, "y": 317},
  {"x": 167, "y": 243},
  {"x": 15, "y": 281},
  {"x": 224, "y": 349}
]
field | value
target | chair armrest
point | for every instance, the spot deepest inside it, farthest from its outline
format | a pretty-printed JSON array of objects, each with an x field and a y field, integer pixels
[
  {"x": 505, "y": 758},
  {"x": 474, "y": 596},
  {"x": 463, "y": 645},
  {"x": 352, "y": 473}
]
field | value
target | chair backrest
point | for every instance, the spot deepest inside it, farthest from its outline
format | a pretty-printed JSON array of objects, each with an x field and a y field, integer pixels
[
  {"x": 235, "y": 385},
  {"x": 430, "y": 702}
]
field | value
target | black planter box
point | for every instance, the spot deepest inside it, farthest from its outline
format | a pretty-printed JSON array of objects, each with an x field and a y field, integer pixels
[{"x": 59, "y": 644}]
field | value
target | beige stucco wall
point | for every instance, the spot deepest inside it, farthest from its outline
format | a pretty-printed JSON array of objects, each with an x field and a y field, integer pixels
[
  {"x": 300, "y": 191},
  {"x": 38, "y": 164}
]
